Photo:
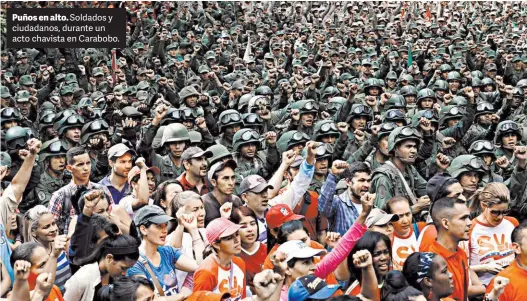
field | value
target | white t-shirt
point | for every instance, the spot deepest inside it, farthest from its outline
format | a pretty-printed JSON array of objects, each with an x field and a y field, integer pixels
[
  {"x": 402, "y": 247},
  {"x": 127, "y": 201},
  {"x": 186, "y": 249}
]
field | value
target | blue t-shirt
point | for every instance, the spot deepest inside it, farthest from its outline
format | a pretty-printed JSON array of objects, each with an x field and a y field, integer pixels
[
  {"x": 5, "y": 252},
  {"x": 165, "y": 272}
]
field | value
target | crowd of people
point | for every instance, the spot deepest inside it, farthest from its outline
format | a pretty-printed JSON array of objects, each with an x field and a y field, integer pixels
[{"x": 270, "y": 151}]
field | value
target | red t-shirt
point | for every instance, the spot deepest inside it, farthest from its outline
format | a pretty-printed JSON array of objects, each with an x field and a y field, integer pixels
[
  {"x": 516, "y": 290},
  {"x": 254, "y": 262}
]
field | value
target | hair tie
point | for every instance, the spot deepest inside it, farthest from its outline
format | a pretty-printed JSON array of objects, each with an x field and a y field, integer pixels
[{"x": 424, "y": 265}]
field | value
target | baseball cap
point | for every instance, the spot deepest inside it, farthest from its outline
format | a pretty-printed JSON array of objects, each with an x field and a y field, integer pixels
[
  {"x": 298, "y": 249},
  {"x": 378, "y": 217},
  {"x": 208, "y": 296},
  {"x": 280, "y": 214},
  {"x": 218, "y": 166},
  {"x": 118, "y": 150},
  {"x": 220, "y": 227},
  {"x": 311, "y": 287},
  {"x": 136, "y": 170},
  {"x": 151, "y": 214},
  {"x": 195, "y": 152},
  {"x": 254, "y": 183}
]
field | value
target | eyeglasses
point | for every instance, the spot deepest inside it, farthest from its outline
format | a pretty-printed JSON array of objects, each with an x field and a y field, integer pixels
[
  {"x": 362, "y": 109},
  {"x": 394, "y": 114},
  {"x": 509, "y": 126},
  {"x": 299, "y": 136},
  {"x": 500, "y": 212},
  {"x": 10, "y": 113},
  {"x": 57, "y": 147},
  {"x": 482, "y": 145},
  {"x": 231, "y": 117},
  {"x": 252, "y": 119},
  {"x": 250, "y": 135},
  {"x": 329, "y": 126}
]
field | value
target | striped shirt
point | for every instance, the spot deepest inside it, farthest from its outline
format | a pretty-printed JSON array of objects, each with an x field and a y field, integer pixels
[
  {"x": 61, "y": 200},
  {"x": 63, "y": 271}
]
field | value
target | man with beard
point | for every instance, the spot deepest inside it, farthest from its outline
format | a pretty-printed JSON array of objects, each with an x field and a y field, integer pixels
[
  {"x": 451, "y": 218},
  {"x": 251, "y": 160},
  {"x": 468, "y": 170},
  {"x": 398, "y": 176},
  {"x": 53, "y": 155},
  {"x": 484, "y": 127},
  {"x": 120, "y": 159},
  {"x": 229, "y": 122},
  {"x": 342, "y": 210},
  {"x": 69, "y": 129},
  {"x": 175, "y": 139},
  {"x": 223, "y": 179},
  {"x": 303, "y": 113},
  {"x": 194, "y": 161}
]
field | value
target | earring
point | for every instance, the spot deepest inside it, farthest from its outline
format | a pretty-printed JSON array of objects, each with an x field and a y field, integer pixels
[{"x": 430, "y": 295}]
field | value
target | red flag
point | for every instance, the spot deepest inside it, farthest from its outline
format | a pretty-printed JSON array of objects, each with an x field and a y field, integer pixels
[
  {"x": 428, "y": 14},
  {"x": 114, "y": 65}
]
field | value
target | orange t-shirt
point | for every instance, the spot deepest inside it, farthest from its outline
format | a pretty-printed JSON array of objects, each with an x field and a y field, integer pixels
[
  {"x": 330, "y": 279},
  {"x": 254, "y": 262},
  {"x": 402, "y": 247},
  {"x": 457, "y": 263},
  {"x": 515, "y": 290},
  {"x": 210, "y": 276},
  {"x": 354, "y": 290},
  {"x": 427, "y": 237}
]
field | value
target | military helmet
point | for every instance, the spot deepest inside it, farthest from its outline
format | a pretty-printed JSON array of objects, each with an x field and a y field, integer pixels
[
  {"x": 335, "y": 104},
  {"x": 92, "y": 128},
  {"x": 476, "y": 74},
  {"x": 396, "y": 101},
  {"x": 156, "y": 142},
  {"x": 85, "y": 102},
  {"x": 64, "y": 113},
  {"x": 394, "y": 115},
  {"x": 476, "y": 82},
  {"x": 195, "y": 137},
  {"x": 445, "y": 68},
  {"x": 482, "y": 147},
  {"x": 426, "y": 93},
  {"x": 449, "y": 112},
  {"x": 219, "y": 152},
  {"x": 252, "y": 120},
  {"x": 330, "y": 92},
  {"x": 324, "y": 151},
  {"x": 45, "y": 120},
  {"x": 255, "y": 101},
  {"x": 408, "y": 90},
  {"x": 391, "y": 75},
  {"x": 243, "y": 103},
  {"x": 466, "y": 163},
  {"x": 453, "y": 76},
  {"x": 428, "y": 114},
  {"x": 188, "y": 92},
  {"x": 408, "y": 78},
  {"x": 484, "y": 108},
  {"x": 229, "y": 118},
  {"x": 325, "y": 127},
  {"x": 5, "y": 159},
  {"x": 518, "y": 92},
  {"x": 175, "y": 132},
  {"x": 52, "y": 148},
  {"x": 401, "y": 134},
  {"x": 10, "y": 114},
  {"x": 67, "y": 122},
  {"x": 487, "y": 81},
  {"x": 359, "y": 110},
  {"x": 173, "y": 115},
  {"x": 385, "y": 129},
  {"x": 440, "y": 85},
  {"x": 522, "y": 83},
  {"x": 371, "y": 83},
  {"x": 290, "y": 139},
  {"x": 507, "y": 126},
  {"x": 16, "y": 137},
  {"x": 306, "y": 106},
  {"x": 459, "y": 101},
  {"x": 245, "y": 136},
  {"x": 263, "y": 90}
]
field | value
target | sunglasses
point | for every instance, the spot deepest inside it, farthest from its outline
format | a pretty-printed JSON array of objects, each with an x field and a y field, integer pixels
[{"x": 500, "y": 212}]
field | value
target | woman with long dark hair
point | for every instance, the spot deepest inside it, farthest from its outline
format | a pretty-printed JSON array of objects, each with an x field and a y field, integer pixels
[{"x": 129, "y": 289}]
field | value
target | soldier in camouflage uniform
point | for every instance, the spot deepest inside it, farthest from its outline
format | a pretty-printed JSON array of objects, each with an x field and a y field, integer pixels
[
  {"x": 229, "y": 122},
  {"x": 250, "y": 158},
  {"x": 52, "y": 158}
]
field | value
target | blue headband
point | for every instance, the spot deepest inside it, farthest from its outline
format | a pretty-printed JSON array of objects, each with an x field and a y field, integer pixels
[{"x": 423, "y": 268}]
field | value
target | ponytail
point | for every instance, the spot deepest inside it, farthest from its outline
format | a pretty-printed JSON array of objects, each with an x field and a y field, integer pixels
[{"x": 120, "y": 246}]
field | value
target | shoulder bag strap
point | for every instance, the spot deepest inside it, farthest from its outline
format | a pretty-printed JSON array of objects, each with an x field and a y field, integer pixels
[
  {"x": 405, "y": 184},
  {"x": 152, "y": 276},
  {"x": 305, "y": 203}
]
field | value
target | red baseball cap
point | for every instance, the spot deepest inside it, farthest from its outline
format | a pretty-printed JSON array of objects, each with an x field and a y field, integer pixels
[
  {"x": 220, "y": 227},
  {"x": 280, "y": 214}
]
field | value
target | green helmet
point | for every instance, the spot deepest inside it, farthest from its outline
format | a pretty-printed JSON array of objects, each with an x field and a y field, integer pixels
[
  {"x": 408, "y": 90},
  {"x": 175, "y": 132},
  {"x": 187, "y": 92},
  {"x": 324, "y": 151},
  {"x": 229, "y": 118},
  {"x": 386, "y": 129},
  {"x": 466, "y": 163},
  {"x": 156, "y": 142},
  {"x": 359, "y": 109},
  {"x": 45, "y": 120},
  {"x": 504, "y": 127},
  {"x": 371, "y": 83},
  {"x": 263, "y": 90},
  {"x": 306, "y": 106},
  {"x": 487, "y": 81},
  {"x": 449, "y": 112},
  {"x": 476, "y": 82},
  {"x": 92, "y": 128},
  {"x": 9, "y": 114},
  {"x": 396, "y": 101},
  {"x": 335, "y": 104},
  {"x": 5, "y": 159},
  {"x": 440, "y": 85},
  {"x": 67, "y": 122},
  {"x": 476, "y": 74},
  {"x": 290, "y": 139},
  {"x": 195, "y": 137},
  {"x": 484, "y": 108},
  {"x": 243, "y": 103},
  {"x": 16, "y": 137},
  {"x": 85, "y": 102},
  {"x": 330, "y": 92},
  {"x": 245, "y": 136},
  {"x": 453, "y": 76},
  {"x": 428, "y": 114},
  {"x": 522, "y": 83},
  {"x": 401, "y": 134},
  {"x": 445, "y": 68},
  {"x": 408, "y": 78},
  {"x": 518, "y": 92},
  {"x": 426, "y": 93},
  {"x": 52, "y": 148},
  {"x": 218, "y": 153},
  {"x": 26, "y": 80},
  {"x": 482, "y": 147},
  {"x": 252, "y": 120},
  {"x": 394, "y": 115},
  {"x": 325, "y": 127},
  {"x": 391, "y": 75},
  {"x": 459, "y": 101}
]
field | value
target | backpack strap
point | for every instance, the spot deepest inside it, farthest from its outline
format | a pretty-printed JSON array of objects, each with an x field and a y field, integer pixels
[
  {"x": 416, "y": 230},
  {"x": 306, "y": 201},
  {"x": 153, "y": 276},
  {"x": 409, "y": 191}
]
